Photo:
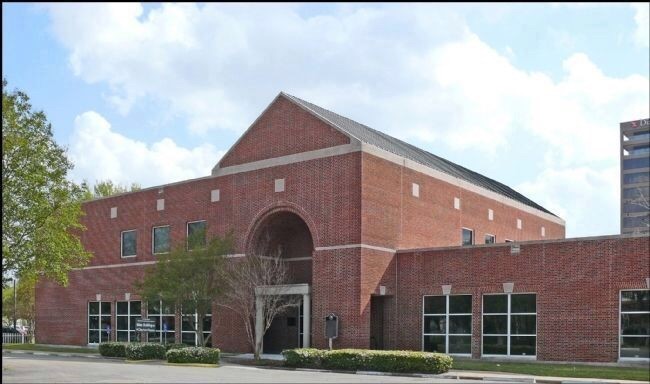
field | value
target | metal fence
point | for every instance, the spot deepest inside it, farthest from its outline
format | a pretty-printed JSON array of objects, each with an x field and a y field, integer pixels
[{"x": 16, "y": 338}]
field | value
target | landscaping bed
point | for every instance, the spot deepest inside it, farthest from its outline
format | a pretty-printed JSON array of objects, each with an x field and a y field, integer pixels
[{"x": 368, "y": 360}]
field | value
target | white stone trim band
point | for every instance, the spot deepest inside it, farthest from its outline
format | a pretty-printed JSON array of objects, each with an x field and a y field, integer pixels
[
  {"x": 289, "y": 159},
  {"x": 346, "y": 246}
]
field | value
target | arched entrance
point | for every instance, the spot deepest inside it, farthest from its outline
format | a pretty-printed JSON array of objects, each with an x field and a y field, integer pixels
[{"x": 285, "y": 234}]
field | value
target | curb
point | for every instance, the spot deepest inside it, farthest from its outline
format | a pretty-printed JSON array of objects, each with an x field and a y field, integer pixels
[{"x": 61, "y": 354}]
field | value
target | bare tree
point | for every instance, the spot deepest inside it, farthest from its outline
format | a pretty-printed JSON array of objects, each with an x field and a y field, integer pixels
[{"x": 241, "y": 278}]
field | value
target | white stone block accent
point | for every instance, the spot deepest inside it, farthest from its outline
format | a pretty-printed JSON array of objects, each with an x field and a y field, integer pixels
[
  {"x": 508, "y": 287},
  {"x": 543, "y": 232},
  {"x": 113, "y": 212},
  {"x": 456, "y": 203},
  {"x": 214, "y": 195},
  {"x": 98, "y": 297},
  {"x": 160, "y": 205},
  {"x": 127, "y": 296},
  {"x": 490, "y": 214},
  {"x": 279, "y": 185},
  {"x": 647, "y": 282},
  {"x": 416, "y": 190},
  {"x": 382, "y": 290},
  {"x": 518, "y": 223},
  {"x": 446, "y": 290}
]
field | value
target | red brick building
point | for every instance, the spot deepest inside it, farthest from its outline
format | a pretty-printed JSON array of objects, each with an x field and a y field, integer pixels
[{"x": 379, "y": 232}]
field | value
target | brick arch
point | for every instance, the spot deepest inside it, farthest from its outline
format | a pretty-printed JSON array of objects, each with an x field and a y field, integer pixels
[{"x": 278, "y": 207}]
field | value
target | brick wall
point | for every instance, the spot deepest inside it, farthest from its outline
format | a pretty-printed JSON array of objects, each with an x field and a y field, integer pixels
[
  {"x": 283, "y": 129},
  {"x": 577, "y": 283}
]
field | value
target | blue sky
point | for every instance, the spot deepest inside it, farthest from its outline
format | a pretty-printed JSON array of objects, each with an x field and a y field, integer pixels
[{"x": 528, "y": 94}]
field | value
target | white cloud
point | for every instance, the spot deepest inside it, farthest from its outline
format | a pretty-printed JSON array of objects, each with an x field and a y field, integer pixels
[
  {"x": 99, "y": 153},
  {"x": 417, "y": 72},
  {"x": 593, "y": 198},
  {"x": 642, "y": 19}
]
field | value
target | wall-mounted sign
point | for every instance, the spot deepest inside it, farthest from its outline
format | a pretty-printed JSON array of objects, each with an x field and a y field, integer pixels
[{"x": 145, "y": 325}]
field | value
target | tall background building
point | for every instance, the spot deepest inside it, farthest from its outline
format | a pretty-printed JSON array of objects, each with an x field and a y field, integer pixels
[{"x": 635, "y": 176}]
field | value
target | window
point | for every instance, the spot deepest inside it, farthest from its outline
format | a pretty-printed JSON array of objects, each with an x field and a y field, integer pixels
[
  {"x": 635, "y": 324},
  {"x": 636, "y": 163},
  {"x": 129, "y": 243},
  {"x": 490, "y": 239},
  {"x": 189, "y": 321},
  {"x": 635, "y": 178},
  {"x": 126, "y": 313},
  {"x": 510, "y": 324},
  {"x": 196, "y": 234},
  {"x": 163, "y": 314},
  {"x": 160, "y": 240},
  {"x": 467, "y": 237},
  {"x": 636, "y": 193},
  {"x": 99, "y": 322},
  {"x": 636, "y": 221},
  {"x": 447, "y": 324}
]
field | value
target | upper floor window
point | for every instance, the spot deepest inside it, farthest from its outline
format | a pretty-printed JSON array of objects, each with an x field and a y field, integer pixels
[
  {"x": 160, "y": 241},
  {"x": 635, "y": 178},
  {"x": 467, "y": 237},
  {"x": 643, "y": 162},
  {"x": 129, "y": 243},
  {"x": 490, "y": 239},
  {"x": 196, "y": 232}
]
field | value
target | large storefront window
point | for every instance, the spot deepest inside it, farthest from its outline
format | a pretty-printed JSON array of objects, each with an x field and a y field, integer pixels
[
  {"x": 635, "y": 324},
  {"x": 447, "y": 324},
  {"x": 188, "y": 335},
  {"x": 164, "y": 316},
  {"x": 99, "y": 322},
  {"x": 126, "y": 313},
  {"x": 510, "y": 324}
]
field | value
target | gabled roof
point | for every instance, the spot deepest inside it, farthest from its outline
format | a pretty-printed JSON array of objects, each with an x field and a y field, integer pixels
[{"x": 398, "y": 147}]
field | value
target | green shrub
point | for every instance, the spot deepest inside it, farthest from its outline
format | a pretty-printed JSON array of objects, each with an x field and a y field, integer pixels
[
  {"x": 303, "y": 357},
  {"x": 175, "y": 346},
  {"x": 369, "y": 360},
  {"x": 200, "y": 355},
  {"x": 145, "y": 351},
  {"x": 112, "y": 349},
  {"x": 346, "y": 359}
]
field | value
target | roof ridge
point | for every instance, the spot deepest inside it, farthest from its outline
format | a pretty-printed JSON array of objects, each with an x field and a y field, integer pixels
[{"x": 349, "y": 126}]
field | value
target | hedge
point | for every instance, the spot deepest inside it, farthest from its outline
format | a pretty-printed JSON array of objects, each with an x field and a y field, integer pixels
[
  {"x": 369, "y": 360},
  {"x": 201, "y": 355},
  {"x": 113, "y": 349},
  {"x": 175, "y": 346},
  {"x": 303, "y": 357},
  {"x": 145, "y": 351}
]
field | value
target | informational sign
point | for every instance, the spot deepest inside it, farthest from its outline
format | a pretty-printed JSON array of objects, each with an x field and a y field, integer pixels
[
  {"x": 145, "y": 325},
  {"x": 108, "y": 329},
  {"x": 331, "y": 326}
]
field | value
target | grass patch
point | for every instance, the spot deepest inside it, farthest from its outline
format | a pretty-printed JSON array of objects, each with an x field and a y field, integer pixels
[
  {"x": 48, "y": 348},
  {"x": 560, "y": 370}
]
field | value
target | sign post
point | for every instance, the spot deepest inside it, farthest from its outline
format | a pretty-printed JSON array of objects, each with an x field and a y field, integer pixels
[
  {"x": 165, "y": 330},
  {"x": 331, "y": 328}
]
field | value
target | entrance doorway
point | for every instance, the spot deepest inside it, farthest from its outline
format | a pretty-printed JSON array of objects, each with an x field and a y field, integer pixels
[
  {"x": 377, "y": 304},
  {"x": 285, "y": 331}
]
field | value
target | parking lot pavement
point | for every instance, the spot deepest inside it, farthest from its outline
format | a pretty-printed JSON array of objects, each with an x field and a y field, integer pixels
[{"x": 56, "y": 369}]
